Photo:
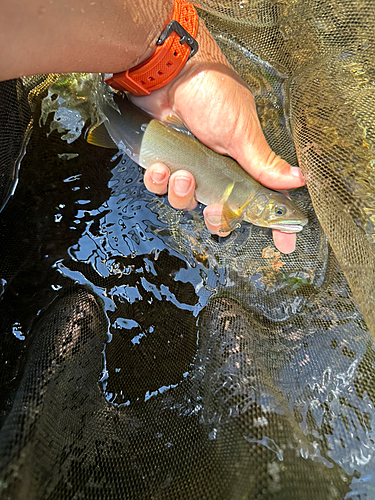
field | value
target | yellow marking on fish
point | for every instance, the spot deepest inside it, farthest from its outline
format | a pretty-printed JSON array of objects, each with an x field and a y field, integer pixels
[
  {"x": 228, "y": 191},
  {"x": 231, "y": 217}
]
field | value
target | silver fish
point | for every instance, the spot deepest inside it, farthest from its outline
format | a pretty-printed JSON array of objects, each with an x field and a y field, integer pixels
[{"x": 219, "y": 178}]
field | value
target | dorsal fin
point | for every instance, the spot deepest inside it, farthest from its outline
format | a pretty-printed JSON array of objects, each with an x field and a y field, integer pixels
[
  {"x": 175, "y": 123},
  {"x": 99, "y": 136}
]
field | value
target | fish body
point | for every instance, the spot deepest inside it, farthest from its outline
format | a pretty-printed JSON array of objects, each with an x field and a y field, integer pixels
[{"x": 219, "y": 178}]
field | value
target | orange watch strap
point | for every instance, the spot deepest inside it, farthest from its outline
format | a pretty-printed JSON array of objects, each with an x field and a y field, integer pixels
[{"x": 175, "y": 46}]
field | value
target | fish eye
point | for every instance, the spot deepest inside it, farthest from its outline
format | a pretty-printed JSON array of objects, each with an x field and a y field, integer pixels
[{"x": 280, "y": 210}]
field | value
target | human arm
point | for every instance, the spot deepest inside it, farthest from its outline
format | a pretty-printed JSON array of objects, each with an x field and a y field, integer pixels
[
  {"x": 216, "y": 105},
  {"x": 111, "y": 36},
  {"x": 65, "y": 36}
]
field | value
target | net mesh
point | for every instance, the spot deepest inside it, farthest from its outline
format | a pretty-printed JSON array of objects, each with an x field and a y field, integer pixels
[
  {"x": 143, "y": 358},
  {"x": 324, "y": 60}
]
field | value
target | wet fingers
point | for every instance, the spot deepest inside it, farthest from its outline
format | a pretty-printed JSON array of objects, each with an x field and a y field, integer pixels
[
  {"x": 215, "y": 222},
  {"x": 181, "y": 196},
  {"x": 156, "y": 178},
  {"x": 181, "y": 190},
  {"x": 284, "y": 242},
  {"x": 180, "y": 185}
]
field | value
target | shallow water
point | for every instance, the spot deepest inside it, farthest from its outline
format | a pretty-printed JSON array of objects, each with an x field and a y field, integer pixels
[{"x": 201, "y": 328}]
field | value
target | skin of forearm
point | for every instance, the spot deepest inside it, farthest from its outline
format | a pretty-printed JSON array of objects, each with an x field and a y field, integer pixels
[{"x": 59, "y": 36}]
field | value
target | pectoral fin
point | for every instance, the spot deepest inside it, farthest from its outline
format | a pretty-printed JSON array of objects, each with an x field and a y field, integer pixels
[
  {"x": 98, "y": 136},
  {"x": 231, "y": 217}
]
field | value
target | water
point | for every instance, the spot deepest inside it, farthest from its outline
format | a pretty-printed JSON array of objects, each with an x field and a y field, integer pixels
[{"x": 202, "y": 329}]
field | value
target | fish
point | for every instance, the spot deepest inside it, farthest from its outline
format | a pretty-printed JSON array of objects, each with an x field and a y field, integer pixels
[{"x": 219, "y": 178}]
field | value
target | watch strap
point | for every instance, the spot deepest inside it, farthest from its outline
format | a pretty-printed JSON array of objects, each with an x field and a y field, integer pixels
[{"x": 174, "y": 47}]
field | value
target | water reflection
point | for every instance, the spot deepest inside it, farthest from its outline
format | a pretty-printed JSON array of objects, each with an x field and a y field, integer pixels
[{"x": 215, "y": 360}]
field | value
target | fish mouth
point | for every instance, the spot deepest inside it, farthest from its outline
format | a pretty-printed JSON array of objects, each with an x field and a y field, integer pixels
[{"x": 288, "y": 227}]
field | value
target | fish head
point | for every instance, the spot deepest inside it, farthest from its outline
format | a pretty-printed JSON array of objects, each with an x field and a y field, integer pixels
[{"x": 274, "y": 210}]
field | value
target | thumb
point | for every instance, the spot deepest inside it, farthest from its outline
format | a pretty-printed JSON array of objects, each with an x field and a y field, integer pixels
[
  {"x": 251, "y": 150},
  {"x": 220, "y": 111}
]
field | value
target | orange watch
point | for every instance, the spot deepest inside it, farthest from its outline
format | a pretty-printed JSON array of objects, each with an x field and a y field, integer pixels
[{"x": 175, "y": 46}]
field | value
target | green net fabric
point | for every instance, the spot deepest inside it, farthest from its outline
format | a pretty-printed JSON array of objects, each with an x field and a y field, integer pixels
[
  {"x": 143, "y": 358},
  {"x": 317, "y": 60}
]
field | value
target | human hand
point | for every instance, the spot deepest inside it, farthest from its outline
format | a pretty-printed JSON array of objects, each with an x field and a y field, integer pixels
[{"x": 215, "y": 104}]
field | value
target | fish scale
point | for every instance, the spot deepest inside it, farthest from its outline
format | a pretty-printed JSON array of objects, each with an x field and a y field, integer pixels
[{"x": 219, "y": 178}]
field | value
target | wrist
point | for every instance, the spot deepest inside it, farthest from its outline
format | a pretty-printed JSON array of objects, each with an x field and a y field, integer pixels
[
  {"x": 208, "y": 63},
  {"x": 208, "y": 56},
  {"x": 175, "y": 45},
  {"x": 149, "y": 20}
]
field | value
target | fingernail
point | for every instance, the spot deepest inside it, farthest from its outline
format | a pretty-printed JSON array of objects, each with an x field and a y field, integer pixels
[
  {"x": 158, "y": 176},
  {"x": 182, "y": 186},
  {"x": 214, "y": 219},
  {"x": 296, "y": 172}
]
